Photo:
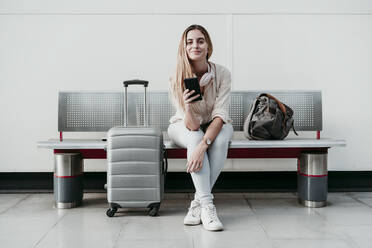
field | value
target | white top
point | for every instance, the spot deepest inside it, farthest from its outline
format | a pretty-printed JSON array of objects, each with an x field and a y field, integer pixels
[{"x": 216, "y": 98}]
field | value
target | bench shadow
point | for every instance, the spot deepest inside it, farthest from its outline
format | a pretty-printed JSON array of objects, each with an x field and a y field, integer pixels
[{"x": 94, "y": 202}]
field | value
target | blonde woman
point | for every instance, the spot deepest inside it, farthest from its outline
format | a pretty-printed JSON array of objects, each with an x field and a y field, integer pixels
[{"x": 203, "y": 127}]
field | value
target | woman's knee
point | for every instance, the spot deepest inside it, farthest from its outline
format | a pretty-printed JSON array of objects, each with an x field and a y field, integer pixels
[
  {"x": 178, "y": 133},
  {"x": 173, "y": 131},
  {"x": 170, "y": 130},
  {"x": 178, "y": 130}
]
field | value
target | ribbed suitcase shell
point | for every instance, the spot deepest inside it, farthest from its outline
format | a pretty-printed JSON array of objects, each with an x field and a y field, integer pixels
[
  {"x": 135, "y": 166},
  {"x": 135, "y": 173}
]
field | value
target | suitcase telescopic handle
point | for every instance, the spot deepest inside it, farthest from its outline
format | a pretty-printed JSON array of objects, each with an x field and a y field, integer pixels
[{"x": 136, "y": 82}]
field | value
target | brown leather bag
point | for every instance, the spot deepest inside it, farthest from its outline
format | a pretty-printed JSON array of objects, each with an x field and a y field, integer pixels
[{"x": 268, "y": 119}]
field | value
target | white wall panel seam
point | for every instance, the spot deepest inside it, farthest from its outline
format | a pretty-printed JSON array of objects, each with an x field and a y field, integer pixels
[{"x": 230, "y": 48}]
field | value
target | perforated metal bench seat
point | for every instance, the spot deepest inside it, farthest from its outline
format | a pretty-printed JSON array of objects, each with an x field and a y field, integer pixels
[{"x": 89, "y": 147}]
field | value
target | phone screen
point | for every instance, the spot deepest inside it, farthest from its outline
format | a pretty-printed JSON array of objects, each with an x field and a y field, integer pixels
[{"x": 193, "y": 84}]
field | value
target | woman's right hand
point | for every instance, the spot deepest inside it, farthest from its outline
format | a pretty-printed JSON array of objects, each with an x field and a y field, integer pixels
[{"x": 187, "y": 99}]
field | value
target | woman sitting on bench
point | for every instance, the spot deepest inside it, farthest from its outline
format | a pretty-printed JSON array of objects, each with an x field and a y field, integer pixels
[{"x": 204, "y": 126}]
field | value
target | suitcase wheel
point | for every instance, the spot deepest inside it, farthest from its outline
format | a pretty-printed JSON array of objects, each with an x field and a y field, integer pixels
[
  {"x": 111, "y": 212},
  {"x": 154, "y": 209}
]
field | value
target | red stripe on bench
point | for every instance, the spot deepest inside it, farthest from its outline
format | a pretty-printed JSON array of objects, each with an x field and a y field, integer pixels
[
  {"x": 232, "y": 153},
  {"x": 253, "y": 152},
  {"x": 264, "y": 153}
]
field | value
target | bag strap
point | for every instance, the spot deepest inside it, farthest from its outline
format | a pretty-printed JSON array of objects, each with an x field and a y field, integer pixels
[
  {"x": 282, "y": 108},
  {"x": 247, "y": 122},
  {"x": 280, "y": 104},
  {"x": 294, "y": 130}
]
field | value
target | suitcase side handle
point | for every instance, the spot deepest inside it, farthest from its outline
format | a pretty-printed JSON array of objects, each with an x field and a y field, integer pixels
[
  {"x": 165, "y": 161},
  {"x": 136, "y": 82}
]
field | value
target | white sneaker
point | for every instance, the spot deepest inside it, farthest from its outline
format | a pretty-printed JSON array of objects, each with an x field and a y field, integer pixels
[
  {"x": 210, "y": 219},
  {"x": 193, "y": 216}
]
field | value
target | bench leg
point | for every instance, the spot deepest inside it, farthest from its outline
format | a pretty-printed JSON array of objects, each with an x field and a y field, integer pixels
[
  {"x": 312, "y": 179},
  {"x": 68, "y": 180}
]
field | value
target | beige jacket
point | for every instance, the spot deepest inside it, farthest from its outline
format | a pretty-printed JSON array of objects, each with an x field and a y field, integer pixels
[{"x": 216, "y": 99}]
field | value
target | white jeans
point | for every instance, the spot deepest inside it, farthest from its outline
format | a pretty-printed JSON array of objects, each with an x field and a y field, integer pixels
[{"x": 214, "y": 158}]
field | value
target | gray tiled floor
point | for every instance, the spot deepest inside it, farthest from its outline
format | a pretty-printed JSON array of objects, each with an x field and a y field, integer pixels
[{"x": 251, "y": 220}]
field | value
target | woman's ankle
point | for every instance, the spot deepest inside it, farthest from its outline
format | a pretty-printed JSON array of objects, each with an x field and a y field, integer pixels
[{"x": 206, "y": 202}]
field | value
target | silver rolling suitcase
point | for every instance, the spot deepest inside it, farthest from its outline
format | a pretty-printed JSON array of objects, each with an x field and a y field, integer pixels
[{"x": 136, "y": 164}]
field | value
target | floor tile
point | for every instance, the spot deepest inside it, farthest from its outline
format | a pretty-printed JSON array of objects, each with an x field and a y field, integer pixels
[
  {"x": 349, "y": 217},
  {"x": 235, "y": 205},
  {"x": 360, "y": 235},
  {"x": 367, "y": 201},
  {"x": 146, "y": 227},
  {"x": 176, "y": 196},
  {"x": 273, "y": 220},
  {"x": 94, "y": 200},
  {"x": 84, "y": 229},
  {"x": 344, "y": 210},
  {"x": 33, "y": 204},
  {"x": 269, "y": 195},
  {"x": 360, "y": 194},
  {"x": 154, "y": 243},
  {"x": 228, "y": 195},
  {"x": 250, "y": 236},
  {"x": 311, "y": 243},
  {"x": 363, "y": 197},
  {"x": 9, "y": 200},
  {"x": 277, "y": 206},
  {"x": 26, "y": 224},
  {"x": 287, "y": 226}
]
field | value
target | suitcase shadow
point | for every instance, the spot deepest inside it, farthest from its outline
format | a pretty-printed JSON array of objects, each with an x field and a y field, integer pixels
[{"x": 145, "y": 212}]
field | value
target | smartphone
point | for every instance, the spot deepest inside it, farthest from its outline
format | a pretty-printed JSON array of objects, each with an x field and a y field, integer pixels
[{"x": 193, "y": 84}]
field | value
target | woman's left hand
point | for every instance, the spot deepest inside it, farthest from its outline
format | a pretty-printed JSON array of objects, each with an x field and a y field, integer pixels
[{"x": 195, "y": 163}]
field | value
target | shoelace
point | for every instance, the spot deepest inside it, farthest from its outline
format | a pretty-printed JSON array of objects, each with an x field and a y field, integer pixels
[
  {"x": 194, "y": 210},
  {"x": 212, "y": 213}
]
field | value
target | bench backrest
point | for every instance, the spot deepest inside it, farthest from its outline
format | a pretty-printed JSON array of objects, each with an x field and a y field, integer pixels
[{"x": 99, "y": 111}]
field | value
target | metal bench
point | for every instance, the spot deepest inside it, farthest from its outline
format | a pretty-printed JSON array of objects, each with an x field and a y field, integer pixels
[{"x": 99, "y": 111}]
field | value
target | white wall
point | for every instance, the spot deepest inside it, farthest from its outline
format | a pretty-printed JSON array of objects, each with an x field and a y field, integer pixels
[{"x": 47, "y": 46}]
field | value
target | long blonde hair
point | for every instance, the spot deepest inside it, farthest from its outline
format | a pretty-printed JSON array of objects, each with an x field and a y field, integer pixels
[{"x": 184, "y": 68}]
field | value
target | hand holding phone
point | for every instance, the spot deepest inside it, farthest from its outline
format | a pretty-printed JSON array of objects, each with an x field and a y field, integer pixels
[
  {"x": 192, "y": 85},
  {"x": 189, "y": 97}
]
